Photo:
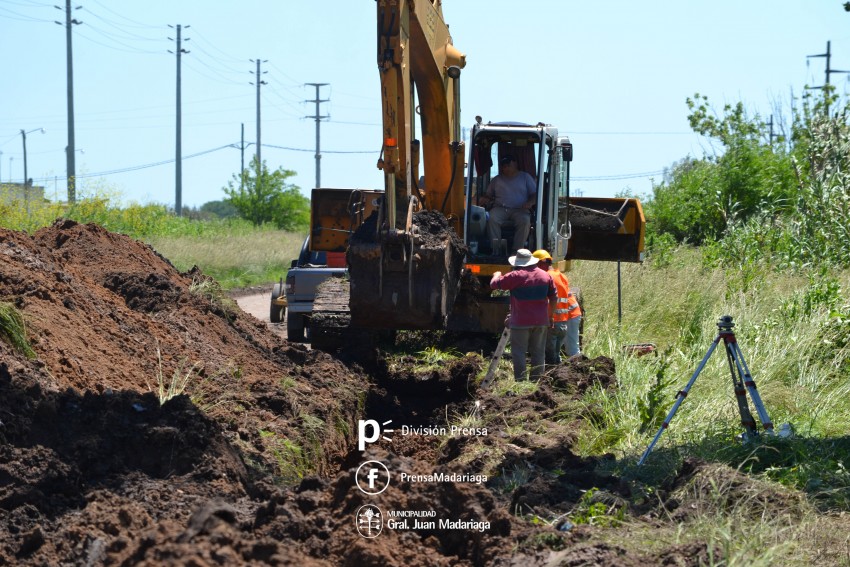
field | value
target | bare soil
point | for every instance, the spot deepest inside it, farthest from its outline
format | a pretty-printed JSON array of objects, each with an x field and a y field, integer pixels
[{"x": 254, "y": 462}]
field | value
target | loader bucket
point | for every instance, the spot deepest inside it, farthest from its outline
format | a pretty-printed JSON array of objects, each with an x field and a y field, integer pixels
[
  {"x": 606, "y": 229},
  {"x": 407, "y": 282}
]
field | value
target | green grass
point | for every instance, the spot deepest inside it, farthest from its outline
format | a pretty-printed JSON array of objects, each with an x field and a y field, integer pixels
[
  {"x": 13, "y": 329},
  {"x": 783, "y": 325},
  {"x": 235, "y": 260}
]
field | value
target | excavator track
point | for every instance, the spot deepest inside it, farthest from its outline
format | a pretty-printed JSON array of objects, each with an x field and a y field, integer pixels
[{"x": 330, "y": 323}]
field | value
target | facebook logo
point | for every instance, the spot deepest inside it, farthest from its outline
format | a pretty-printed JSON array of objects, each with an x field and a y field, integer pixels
[{"x": 372, "y": 477}]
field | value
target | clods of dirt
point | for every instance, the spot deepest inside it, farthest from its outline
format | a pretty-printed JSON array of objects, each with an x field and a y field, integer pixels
[{"x": 158, "y": 424}]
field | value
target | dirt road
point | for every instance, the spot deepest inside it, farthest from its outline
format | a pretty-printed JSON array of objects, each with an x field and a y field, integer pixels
[{"x": 257, "y": 303}]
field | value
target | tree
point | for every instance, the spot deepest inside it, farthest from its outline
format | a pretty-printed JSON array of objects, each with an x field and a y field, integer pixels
[
  {"x": 261, "y": 196},
  {"x": 751, "y": 173},
  {"x": 220, "y": 209}
]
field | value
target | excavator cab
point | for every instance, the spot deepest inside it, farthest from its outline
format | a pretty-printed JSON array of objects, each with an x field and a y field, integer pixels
[{"x": 587, "y": 228}]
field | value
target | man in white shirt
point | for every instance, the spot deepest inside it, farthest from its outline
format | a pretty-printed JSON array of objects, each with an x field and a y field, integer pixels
[{"x": 511, "y": 195}]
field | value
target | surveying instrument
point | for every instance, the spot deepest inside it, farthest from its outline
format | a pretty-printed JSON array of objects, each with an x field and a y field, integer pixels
[{"x": 741, "y": 379}]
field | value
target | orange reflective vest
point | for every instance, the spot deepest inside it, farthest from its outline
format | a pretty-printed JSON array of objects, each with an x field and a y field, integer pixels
[{"x": 567, "y": 307}]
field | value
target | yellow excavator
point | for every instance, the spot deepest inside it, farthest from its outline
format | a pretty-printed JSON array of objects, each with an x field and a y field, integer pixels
[{"x": 422, "y": 258}]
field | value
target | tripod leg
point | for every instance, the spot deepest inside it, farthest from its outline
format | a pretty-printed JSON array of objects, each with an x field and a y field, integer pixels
[
  {"x": 680, "y": 397},
  {"x": 740, "y": 393},
  {"x": 750, "y": 384}
]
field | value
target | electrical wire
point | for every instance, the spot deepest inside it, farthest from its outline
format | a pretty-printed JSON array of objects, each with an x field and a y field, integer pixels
[
  {"x": 223, "y": 79},
  {"x": 113, "y": 37},
  {"x": 618, "y": 177},
  {"x": 197, "y": 35},
  {"x": 197, "y": 154},
  {"x": 137, "y": 167},
  {"x": 123, "y": 17},
  {"x": 323, "y": 151},
  {"x": 20, "y": 17},
  {"x": 117, "y": 26}
]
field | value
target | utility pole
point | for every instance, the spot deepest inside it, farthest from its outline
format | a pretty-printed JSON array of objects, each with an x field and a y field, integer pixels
[
  {"x": 829, "y": 71},
  {"x": 26, "y": 178},
  {"x": 318, "y": 119},
  {"x": 770, "y": 140},
  {"x": 260, "y": 81},
  {"x": 178, "y": 158},
  {"x": 70, "y": 153},
  {"x": 242, "y": 153}
]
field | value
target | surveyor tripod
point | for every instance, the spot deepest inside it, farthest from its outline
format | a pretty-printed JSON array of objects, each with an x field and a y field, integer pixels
[{"x": 741, "y": 378}]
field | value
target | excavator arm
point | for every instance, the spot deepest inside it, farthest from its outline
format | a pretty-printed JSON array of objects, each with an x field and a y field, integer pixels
[
  {"x": 415, "y": 50},
  {"x": 405, "y": 266}
]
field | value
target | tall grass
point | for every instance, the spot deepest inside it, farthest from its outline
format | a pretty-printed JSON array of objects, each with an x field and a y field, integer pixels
[
  {"x": 233, "y": 251},
  {"x": 13, "y": 329},
  {"x": 237, "y": 260},
  {"x": 784, "y": 325}
]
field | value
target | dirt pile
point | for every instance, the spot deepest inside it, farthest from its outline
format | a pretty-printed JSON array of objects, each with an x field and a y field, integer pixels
[{"x": 255, "y": 461}]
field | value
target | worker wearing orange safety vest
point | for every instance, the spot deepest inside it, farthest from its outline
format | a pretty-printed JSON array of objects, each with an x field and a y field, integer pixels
[{"x": 566, "y": 320}]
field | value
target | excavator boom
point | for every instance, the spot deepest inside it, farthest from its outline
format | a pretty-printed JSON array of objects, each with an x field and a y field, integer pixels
[
  {"x": 405, "y": 267},
  {"x": 420, "y": 252}
]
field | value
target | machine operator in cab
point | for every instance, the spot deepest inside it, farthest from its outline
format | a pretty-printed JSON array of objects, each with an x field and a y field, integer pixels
[{"x": 511, "y": 196}]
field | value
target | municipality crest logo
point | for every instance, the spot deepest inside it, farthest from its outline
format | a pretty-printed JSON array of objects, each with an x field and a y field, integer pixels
[{"x": 370, "y": 521}]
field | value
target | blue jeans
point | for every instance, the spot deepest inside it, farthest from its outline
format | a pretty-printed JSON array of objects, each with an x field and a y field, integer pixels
[
  {"x": 533, "y": 341},
  {"x": 564, "y": 333}
]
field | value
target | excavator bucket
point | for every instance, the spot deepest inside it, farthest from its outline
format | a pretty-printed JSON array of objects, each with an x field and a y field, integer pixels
[
  {"x": 405, "y": 281},
  {"x": 611, "y": 229}
]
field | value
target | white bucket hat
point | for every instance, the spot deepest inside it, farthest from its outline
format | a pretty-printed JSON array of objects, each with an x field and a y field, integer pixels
[{"x": 523, "y": 258}]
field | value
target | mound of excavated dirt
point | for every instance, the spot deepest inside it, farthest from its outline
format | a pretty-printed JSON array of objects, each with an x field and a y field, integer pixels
[{"x": 255, "y": 460}]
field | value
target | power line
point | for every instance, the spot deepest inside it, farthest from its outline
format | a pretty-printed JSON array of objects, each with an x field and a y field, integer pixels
[
  {"x": 223, "y": 80},
  {"x": 198, "y": 154},
  {"x": 618, "y": 177},
  {"x": 112, "y": 37},
  {"x": 212, "y": 44},
  {"x": 323, "y": 151},
  {"x": 123, "y": 17},
  {"x": 280, "y": 108},
  {"x": 142, "y": 166},
  {"x": 613, "y": 133},
  {"x": 129, "y": 35},
  {"x": 20, "y": 17}
]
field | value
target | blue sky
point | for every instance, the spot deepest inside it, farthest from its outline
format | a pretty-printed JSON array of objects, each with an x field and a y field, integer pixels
[{"x": 612, "y": 74}]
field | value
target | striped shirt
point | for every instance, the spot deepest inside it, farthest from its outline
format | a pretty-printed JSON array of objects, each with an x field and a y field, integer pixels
[{"x": 531, "y": 289}]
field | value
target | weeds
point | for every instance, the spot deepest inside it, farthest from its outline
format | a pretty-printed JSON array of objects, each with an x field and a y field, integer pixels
[
  {"x": 518, "y": 475},
  {"x": 432, "y": 357},
  {"x": 180, "y": 380},
  {"x": 293, "y": 464},
  {"x": 592, "y": 511},
  {"x": 652, "y": 407},
  {"x": 210, "y": 290},
  {"x": 471, "y": 419},
  {"x": 213, "y": 401},
  {"x": 14, "y": 330}
]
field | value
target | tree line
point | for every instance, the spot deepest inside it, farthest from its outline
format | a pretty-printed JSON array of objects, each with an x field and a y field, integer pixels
[{"x": 780, "y": 198}]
